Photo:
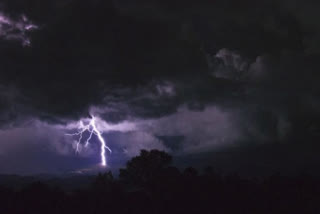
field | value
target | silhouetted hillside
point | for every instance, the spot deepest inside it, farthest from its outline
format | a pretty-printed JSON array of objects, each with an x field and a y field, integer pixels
[{"x": 150, "y": 184}]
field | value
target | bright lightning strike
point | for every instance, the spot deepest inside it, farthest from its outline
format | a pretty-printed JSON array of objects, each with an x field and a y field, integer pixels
[{"x": 91, "y": 127}]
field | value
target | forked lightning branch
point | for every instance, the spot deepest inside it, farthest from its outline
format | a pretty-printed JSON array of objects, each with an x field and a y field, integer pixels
[{"x": 91, "y": 129}]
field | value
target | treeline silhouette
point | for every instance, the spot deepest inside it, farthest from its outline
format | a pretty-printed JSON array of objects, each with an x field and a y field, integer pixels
[{"x": 149, "y": 184}]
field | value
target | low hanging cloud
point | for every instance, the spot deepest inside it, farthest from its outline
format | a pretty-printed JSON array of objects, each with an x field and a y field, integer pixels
[
  {"x": 131, "y": 143},
  {"x": 33, "y": 147},
  {"x": 217, "y": 128},
  {"x": 205, "y": 130}
]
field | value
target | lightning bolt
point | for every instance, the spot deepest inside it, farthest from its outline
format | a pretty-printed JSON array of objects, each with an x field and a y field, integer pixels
[{"x": 93, "y": 130}]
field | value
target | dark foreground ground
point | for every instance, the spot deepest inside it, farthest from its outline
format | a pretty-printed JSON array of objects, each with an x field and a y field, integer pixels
[{"x": 149, "y": 184}]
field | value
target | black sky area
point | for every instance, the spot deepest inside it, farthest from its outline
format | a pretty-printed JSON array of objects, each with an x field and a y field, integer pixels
[{"x": 229, "y": 83}]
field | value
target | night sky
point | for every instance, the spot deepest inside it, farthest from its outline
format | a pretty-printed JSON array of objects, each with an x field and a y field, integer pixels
[{"x": 228, "y": 83}]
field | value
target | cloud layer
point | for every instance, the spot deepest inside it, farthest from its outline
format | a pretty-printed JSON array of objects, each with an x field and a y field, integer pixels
[{"x": 182, "y": 76}]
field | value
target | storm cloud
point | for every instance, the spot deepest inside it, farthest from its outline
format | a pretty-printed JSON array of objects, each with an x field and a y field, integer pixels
[{"x": 210, "y": 74}]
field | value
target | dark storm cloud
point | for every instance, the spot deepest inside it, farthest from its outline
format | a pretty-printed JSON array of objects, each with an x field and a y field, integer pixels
[
  {"x": 231, "y": 70},
  {"x": 285, "y": 84},
  {"x": 88, "y": 49}
]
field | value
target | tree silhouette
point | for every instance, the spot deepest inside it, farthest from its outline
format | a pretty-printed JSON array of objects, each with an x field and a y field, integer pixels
[
  {"x": 103, "y": 181},
  {"x": 146, "y": 167}
]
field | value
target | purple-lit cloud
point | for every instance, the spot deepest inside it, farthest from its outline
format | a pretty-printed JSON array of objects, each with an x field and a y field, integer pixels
[{"x": 16, "y": 29}]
